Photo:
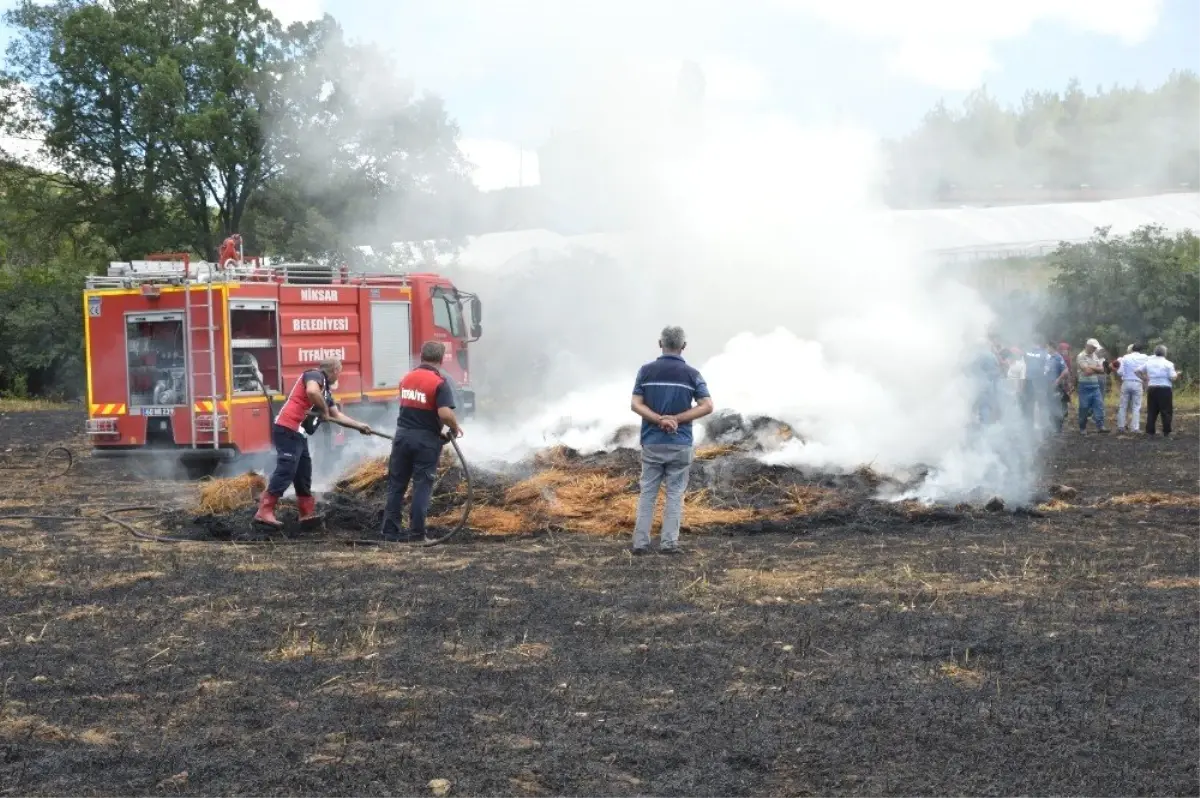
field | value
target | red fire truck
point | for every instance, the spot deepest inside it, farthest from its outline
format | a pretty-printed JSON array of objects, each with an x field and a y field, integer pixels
[{"x": 192, "y": 359}]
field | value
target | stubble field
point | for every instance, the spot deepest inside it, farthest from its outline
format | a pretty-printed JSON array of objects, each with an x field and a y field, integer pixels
[{"x": 1052, "y": 652}]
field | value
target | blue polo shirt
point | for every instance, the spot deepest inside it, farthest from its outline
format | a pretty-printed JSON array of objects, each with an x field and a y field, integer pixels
[
  {"x": 669, "y": 387},
  {"x": 1058, "y": 365}
]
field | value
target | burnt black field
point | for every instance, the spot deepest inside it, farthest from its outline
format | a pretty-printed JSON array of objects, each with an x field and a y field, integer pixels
[{"x": 972, "y": 652}]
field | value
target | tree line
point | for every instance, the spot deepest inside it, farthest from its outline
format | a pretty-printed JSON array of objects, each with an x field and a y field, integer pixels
[
  {"x": 1114, "y": 139},
  {"x": 1138, "y": 288},
  {"x": 166, "y": 125}
]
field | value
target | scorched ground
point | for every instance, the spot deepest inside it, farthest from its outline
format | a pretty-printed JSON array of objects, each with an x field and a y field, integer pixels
[{"x": 970, "y": 653}]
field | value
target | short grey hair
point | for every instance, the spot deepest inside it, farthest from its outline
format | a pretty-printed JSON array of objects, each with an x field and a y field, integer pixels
[
  {"x": 329, "y": 365},
  {"x": 1160, "y": 351},
  {"x": 433, "y": 352},
  {"x": 672, "y": 339}
]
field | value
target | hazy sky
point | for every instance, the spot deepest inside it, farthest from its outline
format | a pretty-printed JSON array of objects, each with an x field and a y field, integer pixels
[{"x": 511, "y": 70}]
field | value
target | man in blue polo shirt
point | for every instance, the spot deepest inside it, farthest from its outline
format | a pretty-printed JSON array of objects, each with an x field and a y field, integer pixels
[{"x": 669, "y": 395}]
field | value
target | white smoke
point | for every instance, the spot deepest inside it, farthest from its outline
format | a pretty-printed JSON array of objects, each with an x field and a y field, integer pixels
[{"x": 765, "y": 240}]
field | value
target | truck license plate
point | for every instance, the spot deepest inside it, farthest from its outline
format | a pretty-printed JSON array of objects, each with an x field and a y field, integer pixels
[{"x": 157, "y": 411}]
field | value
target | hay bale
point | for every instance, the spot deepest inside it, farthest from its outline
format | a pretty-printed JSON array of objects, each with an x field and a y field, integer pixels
[
  {"x": 587, "y": 491},
  {"x": 536, "y": 486},
  {"x": 617, "y": 515},
  {"x": 625, "y": 437},
  {"x": 583, "y": 497},
  {"x": 488, "y": 520},
  {"x": 221, "y": 496},
  {"x": 714, "y": 450},
  {"x": 869, "y": 476},
  {"x": 807, "y": 499},
  {"x": 555, "y": 457},
  {"x": 594, "y": 494},
  {"x": 588, "y": 501},
  {"x": 367, "y": 476}
]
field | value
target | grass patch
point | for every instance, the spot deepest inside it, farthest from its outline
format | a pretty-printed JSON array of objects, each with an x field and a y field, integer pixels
[
  {"x": 9, "y": 405},
  {"x": 1187, "y": 400}
]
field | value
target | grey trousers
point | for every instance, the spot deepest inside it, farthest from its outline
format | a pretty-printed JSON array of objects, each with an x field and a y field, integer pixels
[{"x": 662, "y": 463}]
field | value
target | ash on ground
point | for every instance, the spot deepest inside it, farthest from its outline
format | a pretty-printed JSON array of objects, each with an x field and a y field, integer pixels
[{"x": 731, "y": 492}]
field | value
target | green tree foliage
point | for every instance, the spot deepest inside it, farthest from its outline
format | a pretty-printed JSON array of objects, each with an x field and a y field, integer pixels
[
  {"x": 153, "y": 109},
  {"x": 1143, "y": 287},
  {"x": 174, "y": 121},
  {"x": 365, "y": 160},
  {"x": 42, "y": 266},
  {"x": 1120, "y": 139},
  {"x": 169, "y": 124}
]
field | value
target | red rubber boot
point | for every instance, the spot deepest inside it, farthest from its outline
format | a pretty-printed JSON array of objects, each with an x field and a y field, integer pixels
[
  {"x": 266, "y": 511},
  {"x": 308, "y": 510}
]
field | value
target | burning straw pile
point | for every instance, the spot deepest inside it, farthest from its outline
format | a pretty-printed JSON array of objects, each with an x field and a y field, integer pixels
[
  {"x": 574, "y": 494},
  {"x": 559, "y": 489}
]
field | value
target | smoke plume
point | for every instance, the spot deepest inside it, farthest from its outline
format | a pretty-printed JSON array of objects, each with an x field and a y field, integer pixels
[{"x": 765, "y": 241}]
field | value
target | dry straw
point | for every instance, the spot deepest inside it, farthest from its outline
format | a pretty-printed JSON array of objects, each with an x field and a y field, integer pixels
[
  {"x": 220, "y": 496},
  {"x": 1157, "y": 499},
  {"x": 561, "y": 495},
  {"x": 365, "y": 476}
]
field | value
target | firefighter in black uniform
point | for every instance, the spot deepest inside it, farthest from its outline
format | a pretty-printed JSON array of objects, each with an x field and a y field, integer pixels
[{"x": 426, "y": 406}]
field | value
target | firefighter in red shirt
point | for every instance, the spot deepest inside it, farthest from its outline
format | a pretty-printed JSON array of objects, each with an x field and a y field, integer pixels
[
  {"x": 309, "y": 402},
  {"x": 426, "y": 405}
]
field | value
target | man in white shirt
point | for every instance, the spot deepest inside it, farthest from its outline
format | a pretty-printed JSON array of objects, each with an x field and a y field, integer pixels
[
  {"x": 1159, "y": 375},
  {"x": 1131, "y": 388},
  {"x": 1016, "y": 377}
]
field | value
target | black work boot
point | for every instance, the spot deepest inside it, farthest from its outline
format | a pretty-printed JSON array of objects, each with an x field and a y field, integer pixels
[{"x": 403, "y": 537}]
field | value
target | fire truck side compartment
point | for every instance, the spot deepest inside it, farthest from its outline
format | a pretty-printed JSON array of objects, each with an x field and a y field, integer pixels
[{"x": 391, "y": 342}]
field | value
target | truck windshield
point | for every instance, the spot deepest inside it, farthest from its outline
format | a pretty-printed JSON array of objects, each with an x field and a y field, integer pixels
[{"x": 447, "y": 313}]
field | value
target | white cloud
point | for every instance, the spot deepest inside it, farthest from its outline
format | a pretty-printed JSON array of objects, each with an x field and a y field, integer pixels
[
  {"x": 950, "y": 43},
  {"x": 24, "y": 150},
  {"x": 289, "y": 11},
  {"x": 21, "y": 150},
  {"x": 500, "y": 164}
]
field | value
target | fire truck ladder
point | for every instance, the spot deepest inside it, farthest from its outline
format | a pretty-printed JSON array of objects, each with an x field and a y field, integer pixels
[{"x": 202, "y": 380}]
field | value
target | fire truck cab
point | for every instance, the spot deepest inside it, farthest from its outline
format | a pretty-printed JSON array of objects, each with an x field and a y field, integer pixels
[{"x": 193, "y": 359}]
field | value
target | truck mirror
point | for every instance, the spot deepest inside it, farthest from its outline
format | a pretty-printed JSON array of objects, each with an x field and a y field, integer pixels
[{"x": 476, "y": 317}]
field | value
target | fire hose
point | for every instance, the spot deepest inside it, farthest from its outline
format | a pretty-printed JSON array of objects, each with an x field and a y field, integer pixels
[
  {"x": 470, "y": 490},
  {"x": 110, "y": 514},
  {"x": 462, "y": 462}
]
